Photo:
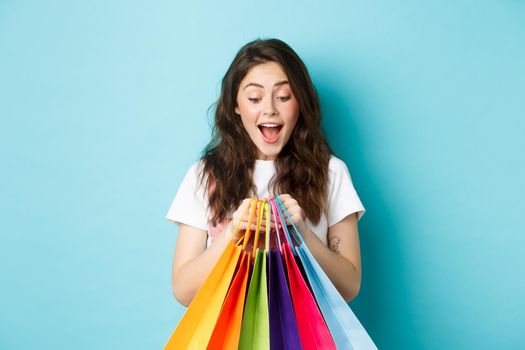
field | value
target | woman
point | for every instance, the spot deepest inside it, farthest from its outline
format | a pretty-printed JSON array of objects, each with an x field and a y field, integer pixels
[{"x": 267, "y": 141}]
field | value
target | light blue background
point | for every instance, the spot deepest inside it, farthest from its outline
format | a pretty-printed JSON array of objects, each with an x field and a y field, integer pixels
[{"x": 103, "y": 108}]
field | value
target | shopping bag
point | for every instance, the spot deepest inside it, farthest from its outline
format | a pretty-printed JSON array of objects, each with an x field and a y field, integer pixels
[
  {"x": 227, "y": 330},
  {"x": 313, "y": 331},
  {"x": 198, "y": 322},
  {"x": 255, "y": 331},
  {"x": 346, "y": 330},
  {"x": 228, "y": 327},
  {"x": 283, "y": 326}
]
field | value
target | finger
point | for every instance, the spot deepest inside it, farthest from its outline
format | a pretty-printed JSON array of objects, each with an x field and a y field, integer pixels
[
  {"x": 241, "y": 225},
  {"x": 289, "y": 203},
  {"x": 248, "y": 213},
  {"x": 254, "y": 229},
  {"x": 293, "y": 211},
  {"x": 244, "y": 204},
  {"x": 244, "y": 226},
  {"x": 284, "y": 197}
]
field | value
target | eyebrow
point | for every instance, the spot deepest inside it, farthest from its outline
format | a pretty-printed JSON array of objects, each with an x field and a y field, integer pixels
[{"x": 282, "y": 82}]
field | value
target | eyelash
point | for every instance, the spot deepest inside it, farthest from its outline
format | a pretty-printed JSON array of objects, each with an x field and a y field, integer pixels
[{"x": 282, "y": 98}]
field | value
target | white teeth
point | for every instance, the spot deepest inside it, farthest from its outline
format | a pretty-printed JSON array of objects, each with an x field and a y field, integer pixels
[{"x": 269, "y": 125}]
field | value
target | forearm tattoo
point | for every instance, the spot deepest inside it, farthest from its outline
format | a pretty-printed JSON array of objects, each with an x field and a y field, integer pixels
[{"x": 334, "y": 244}]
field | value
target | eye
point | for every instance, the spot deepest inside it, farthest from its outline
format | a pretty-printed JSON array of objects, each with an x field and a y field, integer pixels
[
  {"x": 254, "y": 99},
  {"x": 284, "y": 98}
]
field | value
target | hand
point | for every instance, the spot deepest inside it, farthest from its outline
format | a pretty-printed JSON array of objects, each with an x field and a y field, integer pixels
[
  {"x": 296, "y": 213},
  {"x": 242, "y": 220}
]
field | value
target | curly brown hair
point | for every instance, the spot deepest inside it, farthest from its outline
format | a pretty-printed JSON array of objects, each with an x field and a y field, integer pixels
[{"x": 229, "y": 158}]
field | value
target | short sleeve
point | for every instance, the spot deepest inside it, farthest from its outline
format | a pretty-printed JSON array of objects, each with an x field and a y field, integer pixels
[
  {"x": 190, "y": 204},
  {"x": 342, "y": 197}
]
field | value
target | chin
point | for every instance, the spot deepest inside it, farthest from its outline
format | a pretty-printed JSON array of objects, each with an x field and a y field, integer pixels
[{"x": 272, "y": 154}]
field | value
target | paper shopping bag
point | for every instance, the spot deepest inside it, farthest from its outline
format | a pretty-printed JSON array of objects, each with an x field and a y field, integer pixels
[
  {"x": 346, "y": 330},
  {"x": 198, "y": 322},
  {"x": 228, "y": 327}
]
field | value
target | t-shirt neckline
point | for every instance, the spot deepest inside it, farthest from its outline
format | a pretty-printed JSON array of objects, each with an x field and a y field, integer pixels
[{"x": 263, "y": 161}]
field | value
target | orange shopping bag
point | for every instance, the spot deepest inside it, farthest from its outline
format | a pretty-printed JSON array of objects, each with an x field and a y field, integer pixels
[
  {"x": 228, "y": 327},
  {"x": 198, "y": 322}
]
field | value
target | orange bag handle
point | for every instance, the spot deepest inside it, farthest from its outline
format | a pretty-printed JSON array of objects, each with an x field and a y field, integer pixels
[
  {"x": 236, "y": 229},
  {"x": 248, "y": 232}
]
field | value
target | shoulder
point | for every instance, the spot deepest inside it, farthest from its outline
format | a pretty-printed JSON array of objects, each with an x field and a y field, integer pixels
[
  {"x": 338, "y": 174},
  {"x": 195, "y": 169},
  {"x": 342, "y": 195},
  {"x": 192, "y": 178},
  {"x": 337, "y": 166},
  {"x": 189, "y": 205}
]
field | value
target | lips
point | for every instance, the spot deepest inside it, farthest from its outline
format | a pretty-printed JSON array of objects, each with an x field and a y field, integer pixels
[{"x": 270, "y": 131}]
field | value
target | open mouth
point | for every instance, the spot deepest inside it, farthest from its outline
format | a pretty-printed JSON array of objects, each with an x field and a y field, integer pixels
[{"x": 270, "y": 131}]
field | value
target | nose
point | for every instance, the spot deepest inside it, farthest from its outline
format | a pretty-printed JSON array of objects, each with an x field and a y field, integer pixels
[{"x": 269, "y": 108}]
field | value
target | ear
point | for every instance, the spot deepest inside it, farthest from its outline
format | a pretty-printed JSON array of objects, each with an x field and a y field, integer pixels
[{"x": 237, "y": 110}]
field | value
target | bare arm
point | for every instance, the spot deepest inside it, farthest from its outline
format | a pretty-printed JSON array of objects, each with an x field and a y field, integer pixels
[
  {"x": 192, "y": 262},
  {"x": 342, "y": 259}
]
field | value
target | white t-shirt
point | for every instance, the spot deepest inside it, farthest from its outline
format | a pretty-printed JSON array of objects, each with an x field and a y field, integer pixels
[{"x": 190, "y": 205}]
